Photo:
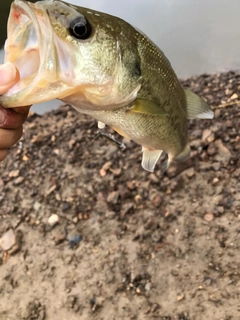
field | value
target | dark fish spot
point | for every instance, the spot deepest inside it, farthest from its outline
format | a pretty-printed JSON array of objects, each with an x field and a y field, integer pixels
[{"x": 137, "y": 68}]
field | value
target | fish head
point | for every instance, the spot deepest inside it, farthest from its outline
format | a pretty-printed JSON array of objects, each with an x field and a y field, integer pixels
[{"x": 70, "y": 53}]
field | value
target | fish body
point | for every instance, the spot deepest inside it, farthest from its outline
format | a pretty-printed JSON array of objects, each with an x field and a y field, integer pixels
[{"x": 105, "y": 68}]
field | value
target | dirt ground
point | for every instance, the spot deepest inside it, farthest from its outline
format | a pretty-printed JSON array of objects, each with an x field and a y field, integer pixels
[{"x": 122, "y": 243}]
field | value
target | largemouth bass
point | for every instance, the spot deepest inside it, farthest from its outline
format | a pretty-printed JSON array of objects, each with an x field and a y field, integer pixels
[{"x": 105, "y": 68}]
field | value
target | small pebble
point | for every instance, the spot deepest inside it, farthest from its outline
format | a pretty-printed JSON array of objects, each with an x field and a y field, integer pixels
[
  {"x": 14, "y": 173},
  {"x": 8, "y": 240},
  {"x": 138, "y": 199},
  {"x": 206, "y": 134},
  {"x": 190, "y": 173},
  {"x": 53, "y": 219},
  {"x": 215, "y": 181},
  {"x": 113, "y": 197},
  {"x": 234, "y": 96},
  {"x": 75, "y": 219},
  {"x": 36, "y": 206},
  {"x": 74, "y": 240},
  {"x": 180, "y": 297},
  {"x": 157, "y": 200},
  {"x": 18, "y": 180},
  {"x": 59, "y": 238},
  {"x": 126, "y": 207},
  {"x": 65, "y": 206},
  {"x": 208, "y": 217},
  {"x": 216, "y": 166},
  {"x": 148, "y": 286}
]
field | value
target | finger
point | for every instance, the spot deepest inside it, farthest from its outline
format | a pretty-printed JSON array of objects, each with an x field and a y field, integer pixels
[
  {"x": 9, "y": 75},
  {"x": 9, "y": 137},
  {"x": 11, "y": 119},
  {"x": 3, "y": 154}
]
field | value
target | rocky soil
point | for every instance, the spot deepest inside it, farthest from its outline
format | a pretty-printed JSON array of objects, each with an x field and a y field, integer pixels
[{"x": 86, "y": 233}]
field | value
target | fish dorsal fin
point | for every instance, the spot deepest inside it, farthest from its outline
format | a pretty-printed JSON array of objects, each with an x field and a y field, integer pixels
[
  {"x": 147, "y": 107},
  {"x": 150, "y": 158},
  {"x": 197, "y": 108}
]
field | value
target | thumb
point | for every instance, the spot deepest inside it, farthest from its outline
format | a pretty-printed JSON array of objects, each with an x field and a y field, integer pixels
[{"x": 9, "y": 75}]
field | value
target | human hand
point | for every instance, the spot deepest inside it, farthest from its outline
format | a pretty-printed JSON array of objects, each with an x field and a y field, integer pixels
[{"x": 11, "y": 120}]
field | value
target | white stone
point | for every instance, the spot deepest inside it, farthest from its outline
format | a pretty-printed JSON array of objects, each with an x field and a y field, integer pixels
[
  {"x": 8, "y": 240},
  {"x": 53, "y": 219}
]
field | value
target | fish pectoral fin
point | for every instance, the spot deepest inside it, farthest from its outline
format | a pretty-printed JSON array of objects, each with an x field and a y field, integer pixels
[
  {"x": 101, "y": 125},
  {"x": 184, "y": 154},
  {"x": 197, "y": 108},
  {"x": 119, "y": 131},
  {"x": 147, "y": 107},
  {"x": 150, "y": 158}
]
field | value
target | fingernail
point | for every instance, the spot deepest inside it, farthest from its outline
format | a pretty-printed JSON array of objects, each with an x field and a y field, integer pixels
[
  {"x": 7, "y": 73},
  {"x": 3, "y": 114}
]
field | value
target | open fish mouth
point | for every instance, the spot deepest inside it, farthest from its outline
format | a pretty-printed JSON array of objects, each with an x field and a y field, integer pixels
[
  {"x": 30, "y": 47},
  {"x": 22, "y": 46}
]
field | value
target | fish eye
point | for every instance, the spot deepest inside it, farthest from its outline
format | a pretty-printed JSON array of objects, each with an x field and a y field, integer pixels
[{"x": 80, "y": 28}]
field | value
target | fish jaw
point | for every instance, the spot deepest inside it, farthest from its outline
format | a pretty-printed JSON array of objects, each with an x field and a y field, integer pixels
[
  {"x": 24, "y": 48},
  {"x": 41, "y": 57}
]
